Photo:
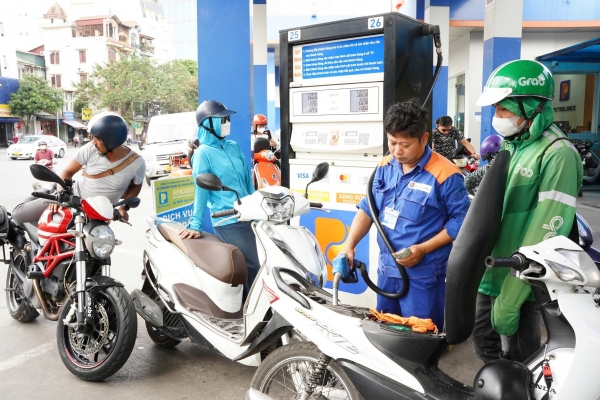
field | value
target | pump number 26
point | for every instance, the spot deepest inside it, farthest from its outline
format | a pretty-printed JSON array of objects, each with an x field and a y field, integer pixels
[{"x": 375, "y": 23}]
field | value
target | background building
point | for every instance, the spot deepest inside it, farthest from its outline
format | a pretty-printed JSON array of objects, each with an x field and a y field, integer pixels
[{"x": 182, "y": 16}]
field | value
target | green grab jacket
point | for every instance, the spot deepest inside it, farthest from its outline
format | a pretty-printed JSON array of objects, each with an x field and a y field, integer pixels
[{"x": 540, "y": 201}]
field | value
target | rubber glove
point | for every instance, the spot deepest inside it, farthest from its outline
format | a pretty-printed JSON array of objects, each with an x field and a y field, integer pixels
[{"x": 506, "y": 310}]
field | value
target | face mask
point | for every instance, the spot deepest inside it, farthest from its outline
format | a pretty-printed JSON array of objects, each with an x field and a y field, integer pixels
[
  {"x": 260, "y": 130},
  {"x": 42, "y": 148},
  {"x": 225, "y": 128},
  {"x": 507, "y": 126}
]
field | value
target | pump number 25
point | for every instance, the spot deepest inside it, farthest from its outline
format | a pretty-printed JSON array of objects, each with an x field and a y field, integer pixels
[{"x": 375, "y": 23}]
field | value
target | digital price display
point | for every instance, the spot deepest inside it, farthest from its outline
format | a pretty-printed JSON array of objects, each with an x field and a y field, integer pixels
[
  {"x": 359, "y": 100},
  {"x": 310, "y": 103}
]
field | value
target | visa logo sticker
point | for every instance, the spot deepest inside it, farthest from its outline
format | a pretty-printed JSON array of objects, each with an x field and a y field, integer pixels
[{"x": 303, "y": 175}]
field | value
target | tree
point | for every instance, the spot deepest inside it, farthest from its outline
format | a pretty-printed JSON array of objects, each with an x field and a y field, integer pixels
[
  {"x": 130, "y": 84},
  {"x": 33, "y": 97}
]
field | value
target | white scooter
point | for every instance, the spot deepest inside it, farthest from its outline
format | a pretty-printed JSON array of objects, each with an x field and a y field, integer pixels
[
  {"x": 349, "y": 356},
  {"x": 193, "y": 287}
]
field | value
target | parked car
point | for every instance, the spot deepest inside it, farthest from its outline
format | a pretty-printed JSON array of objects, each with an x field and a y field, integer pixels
[
  {"x": 27, "y": 146},
  {"x": 167, "y": 135}
]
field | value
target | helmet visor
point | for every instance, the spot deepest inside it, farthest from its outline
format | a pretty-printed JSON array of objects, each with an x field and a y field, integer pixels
[{"x": 492, "y": 96}]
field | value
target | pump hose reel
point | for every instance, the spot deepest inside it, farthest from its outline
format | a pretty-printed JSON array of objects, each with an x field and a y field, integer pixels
[{"x": 426, "y": 30}]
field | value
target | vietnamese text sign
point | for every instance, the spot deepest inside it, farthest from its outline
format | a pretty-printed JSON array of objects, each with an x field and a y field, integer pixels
[
  {"x": 342, "y": 58},
  {"x": 86, "y": 114},
  {"x": 68, "y": 115},
  {"x": 174, "y": 198},
  {"x": 348, "y": 198}
]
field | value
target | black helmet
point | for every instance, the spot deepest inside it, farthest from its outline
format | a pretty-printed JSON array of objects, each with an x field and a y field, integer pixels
[
  {"x": 211, "y": 108},
  {"x": 110, "y": 127}
]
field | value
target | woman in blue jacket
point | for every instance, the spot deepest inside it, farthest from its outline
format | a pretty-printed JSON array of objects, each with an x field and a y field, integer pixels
[{"x": 225, "y": 159}]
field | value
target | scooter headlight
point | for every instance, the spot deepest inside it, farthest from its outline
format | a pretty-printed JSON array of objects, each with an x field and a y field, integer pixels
[
  {"x": 99, "y": 240},
  {"x": 565, "y": 273},
  {"x": 279, "y": 210}
]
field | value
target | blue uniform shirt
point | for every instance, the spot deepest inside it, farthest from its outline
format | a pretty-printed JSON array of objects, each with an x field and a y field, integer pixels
[{"x": 428, "y": 199}]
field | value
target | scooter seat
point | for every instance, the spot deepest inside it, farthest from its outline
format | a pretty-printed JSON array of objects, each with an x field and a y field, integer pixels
[{"x": 223, "y": 261}]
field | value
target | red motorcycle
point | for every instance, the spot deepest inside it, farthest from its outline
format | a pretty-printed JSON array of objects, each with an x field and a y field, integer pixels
[
  {"x": 265, "y": 171},
  {"x": 62, "y": 267}
]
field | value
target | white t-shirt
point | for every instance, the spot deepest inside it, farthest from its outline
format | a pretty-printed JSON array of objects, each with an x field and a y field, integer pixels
[{"x": 111, "y": 186}]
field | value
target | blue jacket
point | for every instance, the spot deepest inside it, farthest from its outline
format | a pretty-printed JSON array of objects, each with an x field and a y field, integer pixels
[
  {"x": 428, "y": 199},
  {"x": 225, "y": 159}
]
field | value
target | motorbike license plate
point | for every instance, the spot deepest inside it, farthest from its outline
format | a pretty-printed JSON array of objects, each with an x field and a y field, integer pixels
[{"x": 17, "y": 153}]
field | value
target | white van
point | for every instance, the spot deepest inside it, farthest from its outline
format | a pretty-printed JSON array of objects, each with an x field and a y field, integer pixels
[{"x": 167, "y": 135}]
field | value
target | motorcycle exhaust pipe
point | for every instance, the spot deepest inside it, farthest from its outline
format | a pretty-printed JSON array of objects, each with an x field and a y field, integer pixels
[{"x": 38, "y": 291}]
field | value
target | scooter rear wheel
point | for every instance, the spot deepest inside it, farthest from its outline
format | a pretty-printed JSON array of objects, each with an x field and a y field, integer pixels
[
  {"x": 159, "y": 338},
  {"x": 285, "y": 371}
]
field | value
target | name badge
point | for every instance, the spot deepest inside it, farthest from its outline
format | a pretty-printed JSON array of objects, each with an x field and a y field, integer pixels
[
  {"x": 390, "y": 217},
  {"x": 420, "y": 186}
]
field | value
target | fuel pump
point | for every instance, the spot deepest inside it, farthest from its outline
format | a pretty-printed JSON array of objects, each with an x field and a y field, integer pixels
[{"x": 337, "y": 81}]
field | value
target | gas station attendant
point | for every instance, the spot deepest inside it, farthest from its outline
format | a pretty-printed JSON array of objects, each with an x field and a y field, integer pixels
[{"x": 422, "y": 202}]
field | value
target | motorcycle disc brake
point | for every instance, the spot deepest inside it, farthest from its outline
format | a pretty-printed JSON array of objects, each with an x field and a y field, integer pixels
[{"x": 88, "y": 344}]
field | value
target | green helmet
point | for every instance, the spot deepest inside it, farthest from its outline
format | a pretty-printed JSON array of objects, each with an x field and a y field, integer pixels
[{"x": 517, "y": 79}]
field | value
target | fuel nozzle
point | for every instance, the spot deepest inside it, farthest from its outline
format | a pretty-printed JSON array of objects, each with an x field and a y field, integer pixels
[
  {"x": 342, "y": 271},
  {"x": 434, "y": 30}
]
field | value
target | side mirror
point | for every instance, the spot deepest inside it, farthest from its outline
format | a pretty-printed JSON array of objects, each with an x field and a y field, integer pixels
[
  {"x": 319, "y": 173},
  {"x": 42, "y": 173},
  {"x": 209, "y": 182}
]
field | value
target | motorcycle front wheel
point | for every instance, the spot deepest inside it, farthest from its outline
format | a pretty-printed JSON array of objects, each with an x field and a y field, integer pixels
[
  {"x": 285, "y": 373},
  {"x": 101, "y": 351}
]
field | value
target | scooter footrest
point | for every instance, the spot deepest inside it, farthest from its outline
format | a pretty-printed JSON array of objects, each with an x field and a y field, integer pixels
[{"x": 147, "y": 308}]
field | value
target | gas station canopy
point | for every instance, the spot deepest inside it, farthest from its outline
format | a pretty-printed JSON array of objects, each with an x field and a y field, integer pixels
[{"x": 588, "y": 52}]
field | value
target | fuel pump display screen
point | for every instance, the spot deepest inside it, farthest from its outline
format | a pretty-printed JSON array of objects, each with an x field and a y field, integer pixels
[
  {"x": 359, "y": 100},
  {"x": 310, "y": 103}
]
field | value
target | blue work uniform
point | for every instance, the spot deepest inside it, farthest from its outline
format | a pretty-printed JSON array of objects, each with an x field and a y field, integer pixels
[{"x": 413, "y": 208}]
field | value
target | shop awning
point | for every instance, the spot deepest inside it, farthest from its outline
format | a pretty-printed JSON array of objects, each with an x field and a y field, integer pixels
[
  {"x": 75, "y": 124},
  {"x": 586, "y": 52},
  {"x": 9, "y": 119}
]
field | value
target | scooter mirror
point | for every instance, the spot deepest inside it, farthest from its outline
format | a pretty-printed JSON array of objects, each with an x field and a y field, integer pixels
[
  {"x": 209, "y": 182},
  {"x": 320, "y": 172},
  {"x": 42, "y": 173}
]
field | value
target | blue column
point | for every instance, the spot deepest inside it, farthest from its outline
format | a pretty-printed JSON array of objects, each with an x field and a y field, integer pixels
[
  {"x": 271, "y": 90},
  {"x": 225, "y": 65},
  {"x": 225, "y": 62},
  {"x": 502, "y": 33},
  {"x": 437, "y": 12},
  {"x": 259, "y": 50},
  {"x": 277, "y": 108}
]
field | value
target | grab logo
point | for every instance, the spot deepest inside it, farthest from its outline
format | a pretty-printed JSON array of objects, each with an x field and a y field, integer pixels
[
  {"x": 539, "y": 81},
  {"x": 523, "y": 171},
  {"x": 553, "y": 227}
]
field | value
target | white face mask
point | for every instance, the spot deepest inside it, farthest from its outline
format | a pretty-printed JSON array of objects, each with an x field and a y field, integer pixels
[
  {"x": 507, "y": 126},
  {"x": 225, "y": 129},
  {"x": 260, "y": 130}
]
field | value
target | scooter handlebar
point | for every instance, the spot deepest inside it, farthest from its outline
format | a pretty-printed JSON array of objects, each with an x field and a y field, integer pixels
[
  {"x": 517, "y": 262},
  {"x": 316, "y": 205},
  {"x": 223, "y": 213}
]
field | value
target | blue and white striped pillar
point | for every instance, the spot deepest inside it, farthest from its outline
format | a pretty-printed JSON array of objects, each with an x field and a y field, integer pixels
[
  {"x": 271, "y": 89},
  {"x": 502, "y": 31},
  {"x": 437, "y": 12},
  {"x": 259, "y": 55},
  {"x": 225, "y": 65}
]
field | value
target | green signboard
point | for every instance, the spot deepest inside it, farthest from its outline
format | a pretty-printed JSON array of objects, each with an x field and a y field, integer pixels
[{"x": 171, "y": 194}]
